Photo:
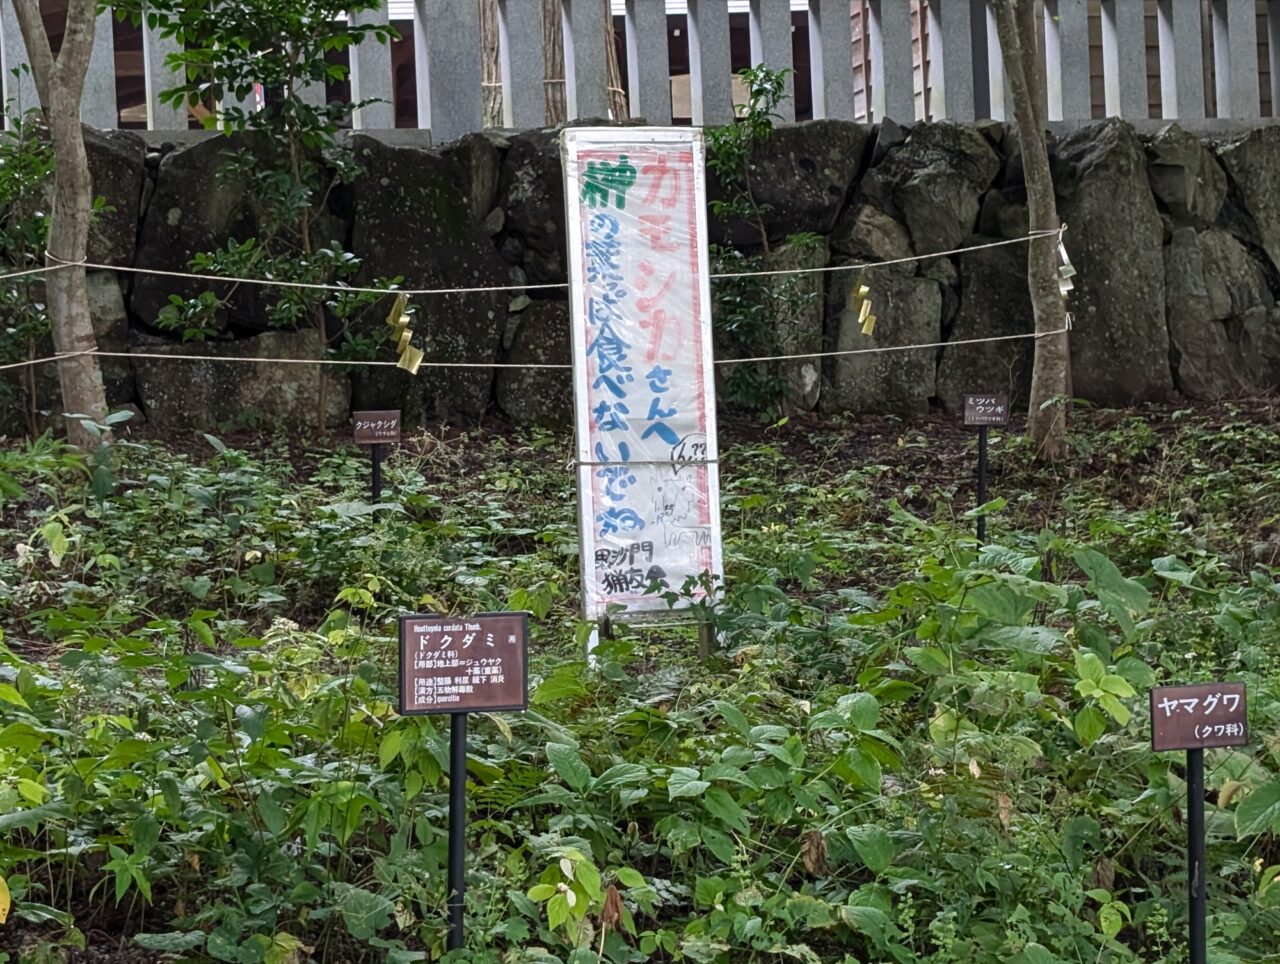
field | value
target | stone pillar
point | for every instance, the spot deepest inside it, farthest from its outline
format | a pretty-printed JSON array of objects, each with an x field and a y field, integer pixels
[
  {"x": 524, "y": 100},
  {"x": 158, "y": 77},
  {"x": 1066, "y": 35},
  {"x": 1235, "y": 45},
  {"x": 98, "y": 103},
  {"x": 585, "y": 73},
  {"x": 371, "y": 77},
  {"x": 951, "y": 57},
  {"x": 1181, "y": 59},
  {"x": 450, "y": 97},
  {"x": 648, "y": 61},
  {"x": 892, "y": 74},
  {"x": 831, "y": 59},
  {"x": 1124, "y": 58},
  {"x": 770, "y": 22},
  {"x": 710, "y": 69},
  {"x": 20, "y": 90}
]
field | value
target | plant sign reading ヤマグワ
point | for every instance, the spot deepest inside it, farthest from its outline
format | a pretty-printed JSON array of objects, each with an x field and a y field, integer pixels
[
  {"x": 1198, "y": 717},
  {"x": 648, "y": 484}
]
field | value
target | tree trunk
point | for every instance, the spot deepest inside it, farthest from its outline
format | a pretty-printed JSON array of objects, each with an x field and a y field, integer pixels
[
  {"x": 492, "y": 68},
  {"x": 553, "y": 61},
  {"x": 60, "y": 84},
  {"x": 1050, "y": 392}
]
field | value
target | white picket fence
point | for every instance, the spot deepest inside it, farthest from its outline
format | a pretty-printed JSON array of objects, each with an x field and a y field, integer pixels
[{"x": 1239, "y": 41}]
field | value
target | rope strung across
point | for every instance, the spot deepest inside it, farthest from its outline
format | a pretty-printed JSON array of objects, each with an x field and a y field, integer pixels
[
  {"x": 531, "y": 365},
  {"x": 61, "y": 264}
]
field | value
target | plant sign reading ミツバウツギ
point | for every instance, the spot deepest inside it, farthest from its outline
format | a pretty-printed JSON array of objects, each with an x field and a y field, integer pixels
[{"x": 648, "y": 485}]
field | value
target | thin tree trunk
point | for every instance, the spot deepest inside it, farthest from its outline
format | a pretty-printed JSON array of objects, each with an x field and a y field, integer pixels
[
  {"x": 60, "y": 84},
  {"x": 492, "y": 75},
  {"x": 553, "y": 61},
  {"x": 1050, "y": 400}
]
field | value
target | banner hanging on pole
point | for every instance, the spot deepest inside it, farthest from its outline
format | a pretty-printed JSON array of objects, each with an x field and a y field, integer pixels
[{"x": 644, "y": 381}]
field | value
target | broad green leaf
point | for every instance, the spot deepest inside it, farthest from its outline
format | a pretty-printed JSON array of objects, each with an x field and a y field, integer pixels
[
  {"x": 874, "y": 846},
  {"x": 273, "y": 817},
  {"x": 1259, "y": 812},
  {"x": 541, "y": 892},
  {"x": 684, "y": 782},
  {"x": 629, "y": 877},
  {"x": 199, "y": 586},
  {"x": 1089, "y": 725},
  {"x": 172, "y": 943},
  {"x": 31, "y": 791},
  {"x": 866, "y": 920},
  {"x": 10, "y": 694},
  {"x": 1090, "y": 667},
  {"x": 564, "y": 684},
  {"x": 929, "y": 659},
  {"x": 861, "y": 709},
  {"x": 557, "y": 911},
  {"x": 720, "y": 804},
  {"x": 588, "y": 877},
  {"x": 1117, "y": 686},
  {"x": 364, "y": 912},
  {"x": 1111, "y": 920},
  {"x": 1115, "y": 709},
  {"x": 720, "y": 844},
  {"x": 389, "y": 749},
  {"x": 733, "y": 716},
  {"x": 1035, "y": 953},
  {"x": 569, "y": 766}
]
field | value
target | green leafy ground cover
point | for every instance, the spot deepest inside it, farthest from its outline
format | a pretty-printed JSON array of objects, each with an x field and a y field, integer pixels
[{"x": 911, "y": 748}]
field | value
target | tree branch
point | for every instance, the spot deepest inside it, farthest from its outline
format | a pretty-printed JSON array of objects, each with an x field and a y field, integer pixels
[
  {"x": 77, "y": 45},
  {"x": 39, "y": 54}
]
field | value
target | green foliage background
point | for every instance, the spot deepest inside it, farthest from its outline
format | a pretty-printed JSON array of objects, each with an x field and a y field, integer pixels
[{"x": 910, "y": 747}]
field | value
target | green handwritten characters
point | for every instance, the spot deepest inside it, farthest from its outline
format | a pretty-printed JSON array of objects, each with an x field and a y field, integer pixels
[{"x": 603, "y": 179}]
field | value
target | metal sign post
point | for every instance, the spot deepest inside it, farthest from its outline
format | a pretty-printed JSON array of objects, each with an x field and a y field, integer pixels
[
  {"x": 461, "y": 665},
  {"x": 376, "y": 430},
  {"x": 1192, "y": 718},
  {"x": 982, "y": 411}
]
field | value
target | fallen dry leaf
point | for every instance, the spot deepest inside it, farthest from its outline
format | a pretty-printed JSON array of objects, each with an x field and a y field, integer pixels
[{"x": 813, "y": 851}]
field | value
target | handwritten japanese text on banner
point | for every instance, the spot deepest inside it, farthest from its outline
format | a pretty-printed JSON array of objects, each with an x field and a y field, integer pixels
[{"x": 644, "y": 389}]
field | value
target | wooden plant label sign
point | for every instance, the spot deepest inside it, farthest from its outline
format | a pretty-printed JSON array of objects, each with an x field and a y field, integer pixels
[
  {"x": 1198, "y": 717},
  {"x": 467, "y": 664},
  {"x": 376, "y": 428},
  {"x": 986, "y": 410}
]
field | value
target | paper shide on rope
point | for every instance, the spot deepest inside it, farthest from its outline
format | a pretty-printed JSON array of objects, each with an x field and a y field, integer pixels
[
  {"x": 398, "y": 321},
  {"x": 860, "y": 302},
  {"x": 1066, "y": 271}
]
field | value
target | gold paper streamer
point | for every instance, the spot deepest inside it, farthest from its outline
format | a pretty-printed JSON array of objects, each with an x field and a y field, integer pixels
[{"x": 410, "y": 360}]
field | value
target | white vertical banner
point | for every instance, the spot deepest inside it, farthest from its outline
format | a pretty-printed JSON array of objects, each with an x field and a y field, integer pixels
[{"x": 644, "y": 382}]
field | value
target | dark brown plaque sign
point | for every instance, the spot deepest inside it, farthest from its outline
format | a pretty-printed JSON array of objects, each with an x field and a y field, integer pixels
[
  {"x": 375, "y": 428},
  {"x": 466, "y": 664},
  {"x": 1197, "y": 717},
  {"x": 986, "y": 410}
]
